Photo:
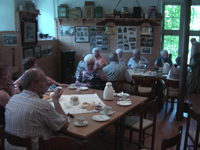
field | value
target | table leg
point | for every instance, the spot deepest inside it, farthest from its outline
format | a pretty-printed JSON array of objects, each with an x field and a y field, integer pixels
[{"x": 121, "y": 133}]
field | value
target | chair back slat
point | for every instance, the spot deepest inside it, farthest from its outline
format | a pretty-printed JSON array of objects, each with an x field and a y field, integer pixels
[
  {"x": 174, "y": 141},
  {"x": 172, "y": 83},
  {"x": 15, "y": 140},
  {"x": 61, "y": 143}
]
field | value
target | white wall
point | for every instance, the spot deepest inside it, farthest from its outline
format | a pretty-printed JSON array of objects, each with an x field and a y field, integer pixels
[
  {"x": 7, "y": 17},
  {"x": 46, "y": 19}
]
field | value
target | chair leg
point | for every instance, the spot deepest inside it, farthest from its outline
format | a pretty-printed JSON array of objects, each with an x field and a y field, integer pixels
[
  {"x": 166, "y": 107},
  {"x": 140, "y": 141},
  {"x": 131, "y": 134},
  {"x": 116, "y": 136}
]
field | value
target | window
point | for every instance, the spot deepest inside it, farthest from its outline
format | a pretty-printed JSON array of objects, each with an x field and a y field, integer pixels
[
  {"x": 171, "y": 44},
  {"x": 172, "y": 33},
  {"x": 172, "y": 17}
]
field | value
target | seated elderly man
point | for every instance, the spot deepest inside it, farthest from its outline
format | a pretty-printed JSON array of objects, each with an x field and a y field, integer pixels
[
  {"x": 115, "y": 71},
  {"x": 100, "y": 60},
  {"x": 163, "y": 59},
  {"x": 26, "y": 114},
  {"x": 137, "y": 60}
]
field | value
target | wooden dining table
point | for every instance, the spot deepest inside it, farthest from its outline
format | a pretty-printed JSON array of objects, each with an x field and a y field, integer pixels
[{"x": 119, "y": 112}]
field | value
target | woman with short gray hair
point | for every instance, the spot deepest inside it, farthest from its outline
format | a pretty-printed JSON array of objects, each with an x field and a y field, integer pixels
[
  {"x": 100, "y": 60},
  {"x": 122, "y": 61},
  {"x": 137, "y": 60},
  {"x": 90, "y": 77}
]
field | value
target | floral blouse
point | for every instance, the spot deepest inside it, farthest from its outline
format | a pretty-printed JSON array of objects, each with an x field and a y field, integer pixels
[{"x": 85, "y": 76}]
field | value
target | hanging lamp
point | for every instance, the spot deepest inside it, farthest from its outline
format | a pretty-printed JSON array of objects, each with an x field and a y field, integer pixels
[
  {"x": 110, "y": 30},
  {"x": 145, "y": 30}
]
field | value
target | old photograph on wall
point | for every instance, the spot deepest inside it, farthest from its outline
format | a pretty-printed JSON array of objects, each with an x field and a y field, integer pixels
[
  {"x": 10, "y": 39},
  {"x": 98, "y": 38},
  {"x": 145, "y": 50},
  {"x": 37, "y": 52},
  {"x": 82, "y": 34},
  {"x": 66, "y": 30},
  {"x": 127, "y": 38}
]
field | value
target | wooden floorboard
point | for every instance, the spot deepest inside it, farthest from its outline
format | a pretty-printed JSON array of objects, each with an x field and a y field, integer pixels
[{"x": 165, "y": 128}]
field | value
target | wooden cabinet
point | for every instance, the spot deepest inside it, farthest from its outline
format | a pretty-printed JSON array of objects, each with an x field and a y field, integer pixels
[{"x": 67, "y": 66}]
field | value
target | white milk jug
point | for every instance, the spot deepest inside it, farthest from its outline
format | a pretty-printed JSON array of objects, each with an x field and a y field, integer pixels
[
  {"x": 166, "y": 68},
  {"x": 108, "y": 93}
]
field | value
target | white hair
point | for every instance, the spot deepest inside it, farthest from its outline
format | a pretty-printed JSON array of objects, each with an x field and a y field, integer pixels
[
  {"x": 89, "y": 58},
  {"x": 95, "y": 49},
  {"x": 161, "y": 53},
  {"x": 136, "y": 50},
  {"x": 118, "y": 51}
]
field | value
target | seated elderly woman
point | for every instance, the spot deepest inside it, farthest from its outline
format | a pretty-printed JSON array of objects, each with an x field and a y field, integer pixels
[
  {"x": 163, "y": 59},
  {"x": 81, "y": 65},
  {"x": 6, "y": 89},
  {"x": 91, "y": 77},
  {"x": 100, "y": 60},
  {"x": 30, "y": 62},
  {"x": 121, "y": 60},
  {"x": 137, "y": 60}
]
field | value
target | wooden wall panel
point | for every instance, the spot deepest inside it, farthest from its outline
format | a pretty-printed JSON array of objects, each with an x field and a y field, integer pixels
[{"x": 68, "y": 42}]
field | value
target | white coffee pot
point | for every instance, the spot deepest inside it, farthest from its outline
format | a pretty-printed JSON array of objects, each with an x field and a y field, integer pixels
[
  {"x": 166, "y": 68},
  {"x": 108, "y": 93}
]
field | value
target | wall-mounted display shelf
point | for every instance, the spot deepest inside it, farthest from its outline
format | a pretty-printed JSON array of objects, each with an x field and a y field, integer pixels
[{"x": 116, "y": 21}]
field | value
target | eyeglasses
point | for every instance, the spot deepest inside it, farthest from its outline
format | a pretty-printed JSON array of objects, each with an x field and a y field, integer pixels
[{"x": 90, "y": 64}]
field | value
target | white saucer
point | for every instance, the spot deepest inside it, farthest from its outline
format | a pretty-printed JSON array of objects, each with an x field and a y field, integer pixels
[
  {"x": 100, "y": 118},
  {"x": 72, "y": 88},
  {"x": 125, "y": 100},
  {"x": 76, "y": 124},
  {"x": 124, "y": 103},
  {"x": 84, "y": 88},
  {"x": 110, "y": 113},
  {"x": 120, "y": 94}
]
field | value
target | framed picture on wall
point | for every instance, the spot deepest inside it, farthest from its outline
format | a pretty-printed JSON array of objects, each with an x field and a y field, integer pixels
[
  {"x": 37, "y": 52},
  {"x": 82, "y": 34},
  {"x": 10, "y": 40},
  {"x": 29, "y": 32},
  {"x": 28, "y": 52},
  {"x": 145, "y": 50}
]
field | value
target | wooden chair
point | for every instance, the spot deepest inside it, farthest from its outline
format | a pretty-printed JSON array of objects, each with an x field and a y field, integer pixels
[
  {"x": 145, "y": 86},
  {"x": 141, "y": 123},
  {"x": 61, "y": 143},
  {"x": 14, "y": 140},
  {"x": 194, "y": 135},
  {"x": 171, "y": 92},
  {"x": 116, "y": 85},
  {"x": 174, "y": 141}
]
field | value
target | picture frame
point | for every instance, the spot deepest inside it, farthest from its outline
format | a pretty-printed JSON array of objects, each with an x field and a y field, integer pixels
[
  {"x": 82, "y": 34},
  {"x": 29, "y": 30},
  {"x": 10, "y": 40},
  {"x": 145, "y": 50},
  {"x": 28, "y": 52},
  {"x": 37, "y": 52}
]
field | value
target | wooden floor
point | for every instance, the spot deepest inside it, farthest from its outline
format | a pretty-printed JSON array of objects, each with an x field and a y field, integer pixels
[{"x": 165, "y": 128}]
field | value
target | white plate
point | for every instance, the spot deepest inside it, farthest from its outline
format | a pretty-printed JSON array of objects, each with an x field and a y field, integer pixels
[
  {"x": 72, "y": 88},
  {"x": 84, "y": 88},
  {"x": 165, "y": 75},
  {"x": 100, "y": 118},
  {"x": 110, "y": 113},
  {"x": 124, "y": 103},
  {"x": 76, "y": 124},
  {"x": 125, "y": 100},
  {"x": 120, "y": 94}
]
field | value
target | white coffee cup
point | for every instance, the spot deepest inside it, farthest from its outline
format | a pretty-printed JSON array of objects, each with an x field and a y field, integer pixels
[
  {"x": 80, "y": 120},
  {"x": 124, "y": 97},
  {"x": 106, "y": 110},
  {"x": 72, "y": 85}
]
